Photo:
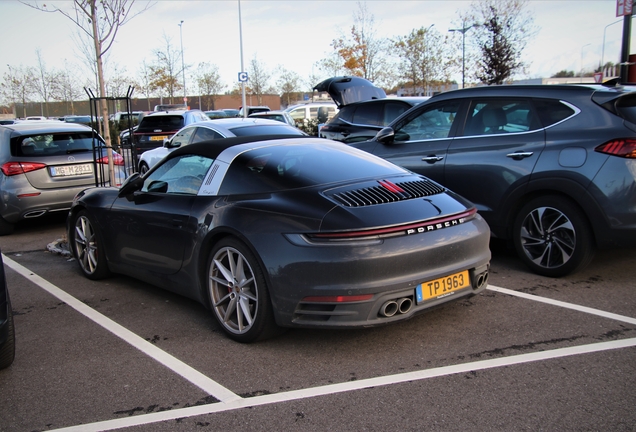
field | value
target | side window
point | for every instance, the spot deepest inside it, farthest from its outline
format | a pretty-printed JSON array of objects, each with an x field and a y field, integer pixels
[
  {"x": 368, "y": 114},
  {"x": 205, "y": 134},
  {"x": 430, "y": 123},
  {"x": 298, "y": 114},
  {"x": 181, "y": 175},
  {"x": 500, "y": 116},
  {"x": 313, "y": 113},
  {"x": 182, "y": 138}
]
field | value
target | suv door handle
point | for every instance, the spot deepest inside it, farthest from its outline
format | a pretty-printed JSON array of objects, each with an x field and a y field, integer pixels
[
  {"x": 432, "y": 159},
  {"x": 519, "y": 155}
]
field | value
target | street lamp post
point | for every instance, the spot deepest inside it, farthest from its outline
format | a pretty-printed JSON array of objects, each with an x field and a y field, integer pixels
[
  {"x": 581, "y": 73},
  {"x": 185, "y": 98},
  {"x": 602, "y": 65},
  {"x": 426, "y": 59},
  {"x": 463, "y": 31}
]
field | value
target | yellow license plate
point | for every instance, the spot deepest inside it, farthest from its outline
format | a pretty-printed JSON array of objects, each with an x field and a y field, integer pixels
[
  {"x": 158, "y": 137},
  {"x": 442, "y": 287}
]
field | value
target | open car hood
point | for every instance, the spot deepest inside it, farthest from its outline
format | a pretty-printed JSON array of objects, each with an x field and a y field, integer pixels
[{"x": 345, "y": 90}]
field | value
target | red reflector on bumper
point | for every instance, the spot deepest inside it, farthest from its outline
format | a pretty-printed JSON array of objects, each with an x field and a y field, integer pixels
[{"x": 338, "y": 299}]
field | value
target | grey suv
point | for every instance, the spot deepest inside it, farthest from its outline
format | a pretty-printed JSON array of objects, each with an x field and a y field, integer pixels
[
  {"x": 43, "y": 165},
  {"x": 552, "y": 168}
]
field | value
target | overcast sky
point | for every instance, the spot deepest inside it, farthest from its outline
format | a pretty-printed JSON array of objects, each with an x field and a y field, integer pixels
[{"x": 296, "y": 34}]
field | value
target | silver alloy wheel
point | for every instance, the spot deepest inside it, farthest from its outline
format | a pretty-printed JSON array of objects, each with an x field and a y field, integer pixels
[
  {"x": 143, "y": 169},
  {"x": 85, "y": 244},
  {"x": 548, "y": 237},
  {"x": 233, "y": 290}
]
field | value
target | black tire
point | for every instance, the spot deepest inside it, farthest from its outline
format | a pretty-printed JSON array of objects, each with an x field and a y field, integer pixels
[
  {"x": 235, "y": 279},
  {"x": 6, "y": 228},
  {"x": 85, "y": 241},
  {"x": 143, "y": 168},
  {"x": 553, "y": 237},
  {"x": 7, "y": 350}
]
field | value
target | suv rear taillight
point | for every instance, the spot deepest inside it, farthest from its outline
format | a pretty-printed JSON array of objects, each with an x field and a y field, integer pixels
[
  {"x": 624, "y": 147},
  {"x": 15, "y": 168},
  {"x": 117, "y": 160}
]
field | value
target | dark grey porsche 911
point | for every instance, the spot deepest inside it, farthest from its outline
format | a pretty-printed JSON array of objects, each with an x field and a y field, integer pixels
[{"x": 285, "y": 232}]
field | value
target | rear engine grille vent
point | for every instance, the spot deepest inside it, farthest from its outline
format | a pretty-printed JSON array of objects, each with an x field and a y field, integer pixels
[{"x": 382, "y": 195}]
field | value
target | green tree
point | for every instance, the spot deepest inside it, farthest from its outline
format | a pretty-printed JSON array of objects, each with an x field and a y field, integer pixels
[
  {"x": 563, "y": 74},
  {"x": 288, "y": 84},
  {"x": 424, "y": 58},
  {"x": 502, "y": 29}
]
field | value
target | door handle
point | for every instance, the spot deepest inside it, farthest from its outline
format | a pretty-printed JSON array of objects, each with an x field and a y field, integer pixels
[
  {"x": 432, "y": 159},
  {"x": 519, "y": 155}
]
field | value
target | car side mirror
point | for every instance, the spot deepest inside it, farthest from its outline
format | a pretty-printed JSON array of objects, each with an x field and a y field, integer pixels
[
  {"x": 158, "y": 186},
  {"x": 385, "y": 136},
  {"x": 131, "y": 184}
]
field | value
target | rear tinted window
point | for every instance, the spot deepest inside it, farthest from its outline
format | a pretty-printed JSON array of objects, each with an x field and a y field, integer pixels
[
  {"x": 53, "y": 144},
  {"x": 626, "y": 107},
  {"x": 287, "y": 167},
  {"x": 368, "y": 114},
  {"x": 266, "y": 130},
  {"x": 552, "y": 111},
  {"x": 165, "y": 123}
]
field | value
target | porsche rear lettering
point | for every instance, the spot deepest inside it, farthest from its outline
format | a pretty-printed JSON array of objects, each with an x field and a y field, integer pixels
[{"x": 435, "y": 226}]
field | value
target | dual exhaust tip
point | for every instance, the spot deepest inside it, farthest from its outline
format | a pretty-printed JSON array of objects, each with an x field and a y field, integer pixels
[
  {"x": 403, "y": 305},
  {"x": 400, "y": 306}
]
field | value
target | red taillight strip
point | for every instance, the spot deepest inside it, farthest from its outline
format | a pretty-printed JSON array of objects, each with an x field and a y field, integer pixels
[
  {"x": 396, "y": 229},
  {"x": 15, "y": 168},
  {"x": 338, "y": 299},
  {"x": 624, "y": 147}
]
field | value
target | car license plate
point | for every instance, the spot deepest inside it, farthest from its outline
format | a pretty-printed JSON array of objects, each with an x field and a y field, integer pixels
[
  {"x": 71, "y": 170},
  {"x": 158, "y": 137},
  {"x": 442, "y": 287}
]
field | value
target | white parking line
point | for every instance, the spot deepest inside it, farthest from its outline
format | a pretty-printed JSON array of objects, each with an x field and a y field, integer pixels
[
  {"x": 195, "y": 377},
  {"x": 347, "y": 386},
  {"x": 563, "y": 304},
  {"x": 231, "y": 401}
]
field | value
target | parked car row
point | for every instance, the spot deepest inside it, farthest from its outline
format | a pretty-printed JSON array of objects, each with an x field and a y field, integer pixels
[{"x": 264, "y": 224}]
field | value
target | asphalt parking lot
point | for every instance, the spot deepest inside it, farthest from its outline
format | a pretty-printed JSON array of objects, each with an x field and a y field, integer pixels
[{"x": 530, "y": 353}]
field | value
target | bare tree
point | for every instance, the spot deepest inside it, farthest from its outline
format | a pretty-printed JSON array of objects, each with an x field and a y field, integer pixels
[
  {"x": 209, "y": 82},
  {"x": 44, "y": 82},
  {"x": 17, "y": 87},
  {"x": 288, "y": 84},
  {"x": 67, "y": 87},
  {"x": 362, "y": 52},
  {"x": 166, "y": 69},
  {"x": 258, "y": 79},
  {"x": 144, "y": 84},
  {"x": 100, "y": 20}
]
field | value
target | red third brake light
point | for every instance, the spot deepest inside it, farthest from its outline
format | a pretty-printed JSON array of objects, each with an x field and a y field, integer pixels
[
  {"x": 623, "y": 147},
  {"x": 15, "y": 168}
]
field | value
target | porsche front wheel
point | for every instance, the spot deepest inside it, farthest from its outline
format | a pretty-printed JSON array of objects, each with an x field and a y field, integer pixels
[
  {"x": 238, "y": 293},
  {"x": 87, "y": 246}
]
